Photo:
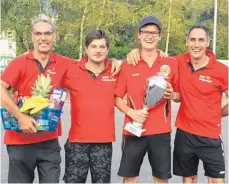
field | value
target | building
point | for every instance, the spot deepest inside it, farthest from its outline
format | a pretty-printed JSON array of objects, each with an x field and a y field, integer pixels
[{"x": 7, "y": 49}]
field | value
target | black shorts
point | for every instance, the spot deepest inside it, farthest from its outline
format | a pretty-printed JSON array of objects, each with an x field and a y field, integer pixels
[
  {"x": 190, "y": 148},
  {"x": 23, "y": 159},
  {"x": 79, "y": 157},
  {"x": 159, "y": 155}
]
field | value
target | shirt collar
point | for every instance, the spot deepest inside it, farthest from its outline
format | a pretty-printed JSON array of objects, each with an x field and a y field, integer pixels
[
  {"x": 158, "y": 59},
  {"x": 210, "y": 54},
  {"x": 30, "y": 55},
  {"x": 84, "y": 60}
]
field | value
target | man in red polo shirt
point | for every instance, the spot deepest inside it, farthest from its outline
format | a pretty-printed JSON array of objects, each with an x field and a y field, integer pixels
[
  {"x": 30, "y": 149},
  {"x": 92, "y": 114},
  {"x": 202, "y": 81},
  {"x": 157, "y": 122}
]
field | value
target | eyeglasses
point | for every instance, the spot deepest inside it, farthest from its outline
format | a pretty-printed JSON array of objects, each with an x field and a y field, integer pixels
[
  {"x": 46, "y": 34},
  {"x": 147, "y": 33}
]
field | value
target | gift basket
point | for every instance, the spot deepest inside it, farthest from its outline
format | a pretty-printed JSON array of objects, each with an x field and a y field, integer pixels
[{"x": 46, "y": 109}]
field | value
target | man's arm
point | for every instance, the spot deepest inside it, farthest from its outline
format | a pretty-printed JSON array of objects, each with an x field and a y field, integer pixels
[
  {"x": 26, "y": 123},
  {"x": 68, "y": 79},
  {"x": 133, "y": 57},
  {"x": 225, "y": 107},
  {"x": 135, "y": 115}
]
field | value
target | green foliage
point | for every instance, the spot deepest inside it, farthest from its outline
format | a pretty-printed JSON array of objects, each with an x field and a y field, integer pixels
[{"x": 119, "y": 18}]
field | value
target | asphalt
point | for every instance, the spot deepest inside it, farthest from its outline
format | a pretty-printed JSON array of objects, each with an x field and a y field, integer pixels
[{"x": 145, "y": 174}]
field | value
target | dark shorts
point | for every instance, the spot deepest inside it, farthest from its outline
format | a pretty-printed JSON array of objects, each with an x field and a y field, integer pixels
[
  {"x": 79, "y": 157},
  {"x": 159, "y": 155},
  {"x": 189, "y": 149},
  {"x": 23, "y": 159}
]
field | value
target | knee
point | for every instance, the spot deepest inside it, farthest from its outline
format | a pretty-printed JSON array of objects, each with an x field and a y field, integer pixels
[
  {"x": 158, "y": 180},
  {"x": 130, "y": 179},
  {"x": 215, "y": 180},
  {"x": 191, "y": 179}
]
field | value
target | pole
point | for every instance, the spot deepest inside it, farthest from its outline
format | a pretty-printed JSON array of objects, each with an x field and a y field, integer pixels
[
  {"x": 215, "y": 25},
  {"x": 168, "y": 30}
]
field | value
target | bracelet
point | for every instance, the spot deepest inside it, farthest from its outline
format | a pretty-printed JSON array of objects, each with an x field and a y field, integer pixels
[{"x": 120, "y": 62}]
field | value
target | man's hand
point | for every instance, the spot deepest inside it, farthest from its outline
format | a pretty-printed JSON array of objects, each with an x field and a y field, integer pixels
[
  {"x": 169, "y": 93},
  {"x": 138, "y": 115},
  {"x": 133, "y": 57},
  {"x": 115, "y": 66},
  {"x": 26, "y": 52},
  {"x": 27, "y": 124},
  {"x": 162, "y": 53}
]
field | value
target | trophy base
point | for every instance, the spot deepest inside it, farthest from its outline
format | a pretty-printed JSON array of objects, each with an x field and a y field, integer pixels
[{"x": 130, "y": 127}]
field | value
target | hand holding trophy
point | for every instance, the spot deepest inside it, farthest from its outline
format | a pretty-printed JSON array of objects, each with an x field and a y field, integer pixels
[{"x": 155, "y": 88}]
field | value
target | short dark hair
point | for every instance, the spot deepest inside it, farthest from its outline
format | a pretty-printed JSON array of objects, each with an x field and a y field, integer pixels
[
  {"x": 199, "y": 26},
  {"x": 97, "y": 34}
]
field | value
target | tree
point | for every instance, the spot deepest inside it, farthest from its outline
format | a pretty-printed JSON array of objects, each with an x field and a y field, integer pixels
[{"x": 119, "y": 19}]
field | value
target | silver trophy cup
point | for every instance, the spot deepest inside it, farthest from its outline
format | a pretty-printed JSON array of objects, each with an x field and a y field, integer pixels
[{"x": 155, "y": 88}]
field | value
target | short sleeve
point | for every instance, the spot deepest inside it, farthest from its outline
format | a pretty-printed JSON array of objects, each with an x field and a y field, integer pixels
[
  {"x": 223, "y": 80},
  {"x": 68, "y": 78},
  {"x": 12, "y": 73},
  {"x": 121, "y": 86}
]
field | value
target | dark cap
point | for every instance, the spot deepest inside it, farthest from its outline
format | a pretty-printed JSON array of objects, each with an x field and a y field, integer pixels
[{"x": 149, "y": 20}]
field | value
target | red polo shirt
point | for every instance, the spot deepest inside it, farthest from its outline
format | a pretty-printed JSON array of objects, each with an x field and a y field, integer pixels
[
  {"x": 92, "y": 105},
  {"x": 201, "y": 95},
  {"x": 132, "y": 81},
  {"x": 21, "y": 73}
]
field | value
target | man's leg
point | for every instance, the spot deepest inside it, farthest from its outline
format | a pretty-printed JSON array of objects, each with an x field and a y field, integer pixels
[
  {"x": 159, "y": 154},
  {"x": 134, "y": 150},
  {"x": 211, "y": 152},
  {"x": 215, "y": 180},
  {"x": 76, "y": 162},
  {"x": 185, "y": 161},
  {"x": 22, "y": 162},
  {"x": 48, "y": 161},
  {"x": 100, "y": 162},
  {"x": 191, "y": 179}
]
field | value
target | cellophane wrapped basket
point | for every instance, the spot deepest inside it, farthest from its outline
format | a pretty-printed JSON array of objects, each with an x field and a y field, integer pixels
[{"x": 47, "y": 118}]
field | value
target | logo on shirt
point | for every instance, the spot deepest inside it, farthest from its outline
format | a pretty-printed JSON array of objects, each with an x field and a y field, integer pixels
[
  {"x": 165, "y": 70},
  {"x": 51, "y": 72},
  {"x": 205, "y": 78},
  {"x": 108, "y": 79},
  {"x": 135, "y": 74}
]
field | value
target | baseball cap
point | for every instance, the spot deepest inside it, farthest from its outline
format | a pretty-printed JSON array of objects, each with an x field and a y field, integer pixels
[{"x": 149, "y": 20}]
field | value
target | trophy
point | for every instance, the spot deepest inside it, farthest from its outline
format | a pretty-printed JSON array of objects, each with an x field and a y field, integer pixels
[{"x": 155, "y": 88}]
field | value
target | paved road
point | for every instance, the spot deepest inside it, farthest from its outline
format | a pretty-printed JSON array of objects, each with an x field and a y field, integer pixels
[{"x": 145, "y": 174}]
